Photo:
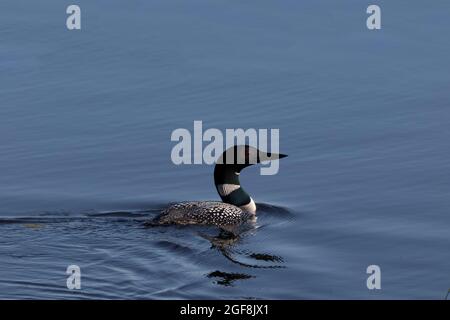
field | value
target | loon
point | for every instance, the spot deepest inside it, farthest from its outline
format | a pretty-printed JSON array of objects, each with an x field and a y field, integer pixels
[{"x": 236, "y": 206}]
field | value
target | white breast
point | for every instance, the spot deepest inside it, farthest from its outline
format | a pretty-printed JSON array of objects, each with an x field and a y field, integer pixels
[{"x": 249, "y": 207}]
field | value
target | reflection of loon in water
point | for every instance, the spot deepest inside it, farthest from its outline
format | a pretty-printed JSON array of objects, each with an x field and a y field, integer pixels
[
  {"x": 237, "y": 205},
  {"x": 226, "y": 240}
]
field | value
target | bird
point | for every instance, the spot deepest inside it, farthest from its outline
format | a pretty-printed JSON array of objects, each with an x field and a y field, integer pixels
[{"x": 237, "y": 205}]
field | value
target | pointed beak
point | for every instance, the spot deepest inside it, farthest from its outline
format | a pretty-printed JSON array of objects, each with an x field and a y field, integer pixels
[{"x": 263, "y": 156}]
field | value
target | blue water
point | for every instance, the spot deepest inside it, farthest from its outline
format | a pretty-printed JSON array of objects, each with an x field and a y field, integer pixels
[{"x": 85, "y": 124}]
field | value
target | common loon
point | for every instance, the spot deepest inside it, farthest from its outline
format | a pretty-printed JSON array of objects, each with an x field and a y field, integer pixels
[{"x": 237, "y": 205}]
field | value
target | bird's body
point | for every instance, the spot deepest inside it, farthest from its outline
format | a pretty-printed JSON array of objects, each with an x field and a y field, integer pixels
[
  {"x": 203, "y": 212},
  {"x": 236, "y": 206}
]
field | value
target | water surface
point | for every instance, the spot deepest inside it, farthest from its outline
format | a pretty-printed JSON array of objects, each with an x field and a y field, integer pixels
[{"x": 85, "y": 124}]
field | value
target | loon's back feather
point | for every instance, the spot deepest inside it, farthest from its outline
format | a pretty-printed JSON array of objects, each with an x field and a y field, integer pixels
[{"x": 202, "y": 212}]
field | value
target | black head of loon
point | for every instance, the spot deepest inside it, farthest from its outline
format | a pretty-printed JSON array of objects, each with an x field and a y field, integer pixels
[{"x": 228, "y": 168}]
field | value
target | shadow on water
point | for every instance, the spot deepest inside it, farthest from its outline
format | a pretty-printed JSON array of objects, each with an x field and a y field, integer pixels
[
  {"x": 227, "y": 278},
  {"x": 226, "y": 242}
]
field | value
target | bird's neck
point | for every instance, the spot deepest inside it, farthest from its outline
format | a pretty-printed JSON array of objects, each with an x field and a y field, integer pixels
[{"x": 226, "y": 179}]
